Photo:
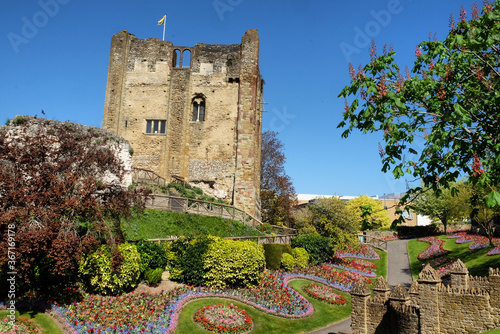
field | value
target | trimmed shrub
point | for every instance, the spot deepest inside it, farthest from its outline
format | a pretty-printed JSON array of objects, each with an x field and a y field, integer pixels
[
  {"x": 98, "y": 276},
  {"x": 317, "y": 247},
  {"x": 301, "y": 257},
  {"x": 152, "y": 255},
  {"x": 233, "y": 263},
  {"x": 188, "y": 267},
  {"x": 272, "y": 253},
  {"x": 288, "y": 262},
  {"x": 153, "y": 276}
]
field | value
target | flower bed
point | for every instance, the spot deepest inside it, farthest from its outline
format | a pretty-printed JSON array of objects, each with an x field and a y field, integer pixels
[
  {"x": 7, "y": 328},
  {"x": 364, "y": 263},
  {"x": 324, "y": 293},
  {"x": 325, "y": 274},
  {"x": 437, "y": 262},
  {"x": 159, "y": 313},
  {"x": 495, "y": 251},
  {"x": 351, "y": 266},
  {"x": 434, "y": 250},
  {"x": 445, "y": 270},
  {"x": 222, "y": 318},
  {"x": 479, "y": 241},
  {"x": 363, "y": 252}
]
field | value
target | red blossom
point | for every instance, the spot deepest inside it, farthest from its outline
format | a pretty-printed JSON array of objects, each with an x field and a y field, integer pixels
[{"x": 418, "y": 52}]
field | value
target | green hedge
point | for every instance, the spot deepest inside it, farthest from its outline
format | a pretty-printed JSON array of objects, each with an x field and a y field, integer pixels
[
  {"x": 233, "y": 263},
  {"x": 188, "y": 265},
  {"x": 98, "y": 276},
  {"x": 273, "y": 253},
  {"x": 152, "y": 255},
  {"x": 317, "y": 247}
]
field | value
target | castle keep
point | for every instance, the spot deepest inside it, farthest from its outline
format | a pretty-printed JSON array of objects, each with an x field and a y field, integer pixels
[{"x": 193, "y": 112}]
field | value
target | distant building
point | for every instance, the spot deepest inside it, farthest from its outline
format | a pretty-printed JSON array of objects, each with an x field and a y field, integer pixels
[{"x": 389, "y": 202}]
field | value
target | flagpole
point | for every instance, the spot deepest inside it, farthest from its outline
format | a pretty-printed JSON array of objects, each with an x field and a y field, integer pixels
[{"x": 164, "y": 23}]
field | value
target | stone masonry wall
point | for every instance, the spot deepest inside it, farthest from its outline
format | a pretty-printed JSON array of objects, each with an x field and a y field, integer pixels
[
  {"x": 468, "y": 304},
  {"x": 221, "y": 153}
]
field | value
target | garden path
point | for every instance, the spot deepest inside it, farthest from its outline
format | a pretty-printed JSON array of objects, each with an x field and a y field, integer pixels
[{"x": 398, "y": 271}]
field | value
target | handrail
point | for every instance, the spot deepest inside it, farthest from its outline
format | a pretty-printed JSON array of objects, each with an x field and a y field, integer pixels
[
  {"x": 205, "y": 208},
  {"x": 259, "y": 239},
  {"x": 372, "y": 241}
]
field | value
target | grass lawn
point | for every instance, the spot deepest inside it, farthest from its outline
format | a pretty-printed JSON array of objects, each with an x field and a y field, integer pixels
[
  {"x": 42, "y": 320},
  {"x": 477, "y": 261},
  {"x": 153, "y": 224},
  {"x": 324, "y": 315},
  {"x": 381, "y": 264}
]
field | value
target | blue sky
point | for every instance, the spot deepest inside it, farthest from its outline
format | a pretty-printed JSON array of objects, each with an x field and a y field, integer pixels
[{"x": 54, "y": 56}]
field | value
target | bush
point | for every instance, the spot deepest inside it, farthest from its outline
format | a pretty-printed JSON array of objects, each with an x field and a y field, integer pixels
[
  {"x": 98, "y": 275},
  {"x": 418, "y": 231},
  {"x": 267, "y": 228},
  {"x": 233, "y": 263},
  {"x": 272, "y": 253},
  {"x": 317, "y": 247},
  {"x": 288, "y": 262},
  {"x": 153, "y": 276},
  {"x": 301, "y": 257},
  {"x": 188, "y": 267},
  {"x": 152, "y": 255}
]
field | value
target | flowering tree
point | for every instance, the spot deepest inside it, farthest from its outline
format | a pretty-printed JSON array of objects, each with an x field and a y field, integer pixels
[{"x": 450, "y": 99}]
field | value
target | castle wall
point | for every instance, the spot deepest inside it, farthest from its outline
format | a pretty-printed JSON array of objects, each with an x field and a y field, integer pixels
[
  {"x": 148, "y": 86},
  {"x": 469, "y": 304}
]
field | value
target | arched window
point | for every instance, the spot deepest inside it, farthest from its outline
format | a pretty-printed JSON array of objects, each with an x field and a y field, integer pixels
[
  {"x": 186, "y": 58},
  {"x": 198, "y": 109},
  {"x": 176, "y": 61}
]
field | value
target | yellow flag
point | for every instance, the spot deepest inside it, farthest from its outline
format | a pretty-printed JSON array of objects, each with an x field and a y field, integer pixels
[{"x": 162, "y": 21}]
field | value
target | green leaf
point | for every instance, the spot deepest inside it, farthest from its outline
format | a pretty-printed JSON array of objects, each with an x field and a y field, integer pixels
[{"x": 493, "y": 199}]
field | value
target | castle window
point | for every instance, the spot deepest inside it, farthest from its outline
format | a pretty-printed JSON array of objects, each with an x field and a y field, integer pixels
[
  {"x": 155, "y": 126},
  {"x": 198, "y": 110},
  {"x": 186, "y": 58},
  {"x": 176, "y": 61}
]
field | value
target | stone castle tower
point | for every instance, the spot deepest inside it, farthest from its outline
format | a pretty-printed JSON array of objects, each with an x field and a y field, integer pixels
[{"x": 194, "y": 112}]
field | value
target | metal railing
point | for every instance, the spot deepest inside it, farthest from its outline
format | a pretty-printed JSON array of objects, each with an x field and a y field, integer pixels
[
  {"x": 372, "y": 241},
  {"x": 195, "y": 206},
  {"x": 204, "y": 208},
  {"x": 260, "y": 240}
]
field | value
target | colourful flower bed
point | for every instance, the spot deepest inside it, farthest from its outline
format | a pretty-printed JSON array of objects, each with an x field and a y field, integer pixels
[
  {"x": 479, "y": 241},
  {"x": 495, "y": 251},
  {"x": 434, "y": 250},
  {"x": 363, "y": 252},
  {"x": 445, "y": 270},
  {"x": 324, "y": 293},
  {"x": 223, "y": 319},
  {"x": 364, "y": 263},
  {"x": 7, "y": 328},
  {"x": 351, "y": 266},
  {"x": 325, "y": 274},
  {"x": 159, "y": 313}
]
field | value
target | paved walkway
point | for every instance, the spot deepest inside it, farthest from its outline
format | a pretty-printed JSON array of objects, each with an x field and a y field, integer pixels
[{"x": 398, "y": 271}]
